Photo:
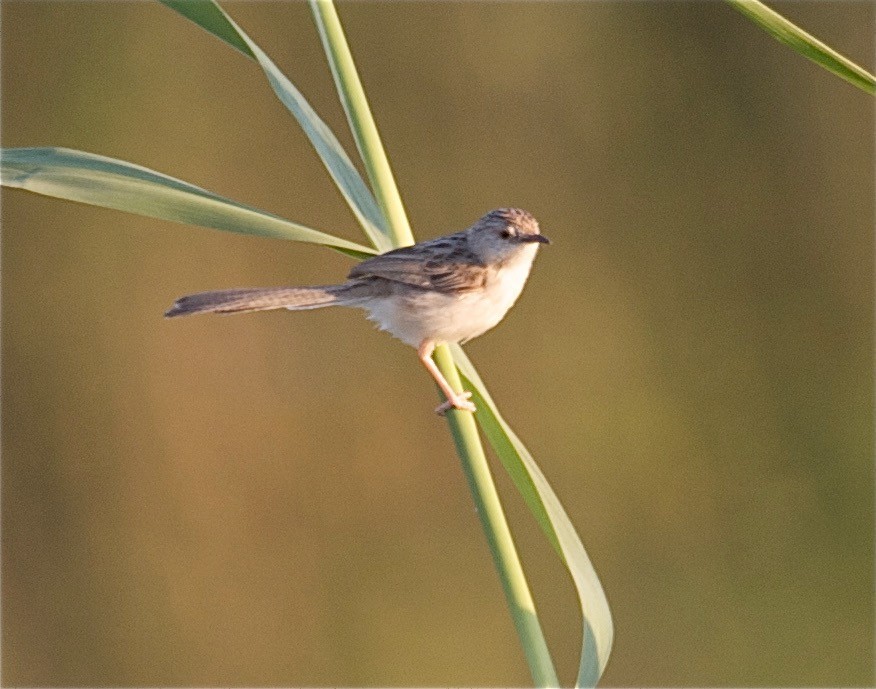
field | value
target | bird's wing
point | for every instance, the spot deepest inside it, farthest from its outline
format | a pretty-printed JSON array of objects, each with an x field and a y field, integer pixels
[{"x": 445, "y": 264}]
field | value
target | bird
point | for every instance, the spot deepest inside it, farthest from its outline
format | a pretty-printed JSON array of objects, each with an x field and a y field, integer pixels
[{"x": 444, "y": 290}]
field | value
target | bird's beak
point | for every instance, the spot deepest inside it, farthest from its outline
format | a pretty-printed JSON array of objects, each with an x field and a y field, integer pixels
[{"x": 540, "y": 238}]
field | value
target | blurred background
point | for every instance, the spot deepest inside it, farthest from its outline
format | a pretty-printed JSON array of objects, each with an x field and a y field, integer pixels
[{"x": 269, "y": 500}]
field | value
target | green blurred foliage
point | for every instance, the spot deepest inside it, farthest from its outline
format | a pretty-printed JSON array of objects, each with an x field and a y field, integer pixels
[{"x": 269, "y": 500}]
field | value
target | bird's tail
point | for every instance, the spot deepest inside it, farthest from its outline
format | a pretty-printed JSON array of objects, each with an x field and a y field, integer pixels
[{"x": 258, "y": 299}]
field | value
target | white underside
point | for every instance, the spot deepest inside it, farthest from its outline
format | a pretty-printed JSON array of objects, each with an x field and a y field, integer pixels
[{"x": 440, "y": 317}]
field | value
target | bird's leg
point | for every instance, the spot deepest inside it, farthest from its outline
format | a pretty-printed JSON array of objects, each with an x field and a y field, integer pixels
[{"x": 454, "y": 400}]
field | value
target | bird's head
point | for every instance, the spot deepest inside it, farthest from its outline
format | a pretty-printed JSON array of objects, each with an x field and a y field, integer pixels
[{"x": 504, "y": 234}]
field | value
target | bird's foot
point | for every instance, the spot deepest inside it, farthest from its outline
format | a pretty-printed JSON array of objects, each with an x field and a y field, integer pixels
[{"x": 460, "y": 401}]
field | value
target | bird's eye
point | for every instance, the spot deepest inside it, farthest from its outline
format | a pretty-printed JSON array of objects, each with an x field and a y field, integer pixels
[{"x": 507, "y": 234}]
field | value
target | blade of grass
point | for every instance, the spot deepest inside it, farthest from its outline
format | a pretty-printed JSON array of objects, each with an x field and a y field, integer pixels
[
  {"x": 492, "y": 517},
  {"x": 110, "y": 183},
  {"x": 462, "y": 426},
  {"x": 359, "y": 198},
  {"x": 361, "y": 120},
  {"x": 208, "y": 16},
  {"x": 805, "y": 44},
  {"x": 101, "y": 181},
  {"x": 598, "y": 627}
]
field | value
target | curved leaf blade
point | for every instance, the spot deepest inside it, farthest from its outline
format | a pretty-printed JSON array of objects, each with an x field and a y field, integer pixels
[
  {"x": 100, "y": 181},
  {"x": 598, "y": 628},
  {"x": 597, "y": 624},
  {"x": 205, "y": 13},
  {"x": 361, "y": 120},
  {"x": 804, "y": 43}
]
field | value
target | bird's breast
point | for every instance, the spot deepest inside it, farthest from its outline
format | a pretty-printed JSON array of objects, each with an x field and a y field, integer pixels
[
  {"x": 506, "y": 284},
  {"x": 416, "y": 315}
]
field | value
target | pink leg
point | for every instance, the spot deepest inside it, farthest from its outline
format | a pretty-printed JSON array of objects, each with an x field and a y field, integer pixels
[{"x": 454, "y": 400}]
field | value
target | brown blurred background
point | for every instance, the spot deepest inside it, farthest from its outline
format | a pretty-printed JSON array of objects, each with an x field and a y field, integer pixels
[{"x": 269, "y": 500}]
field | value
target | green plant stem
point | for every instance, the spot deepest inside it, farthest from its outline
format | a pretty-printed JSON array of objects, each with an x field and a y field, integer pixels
[
  {"x": 462, "y": 424},
  {"x": 489, "y": 509},
  {"x": 361, "y": 121}
]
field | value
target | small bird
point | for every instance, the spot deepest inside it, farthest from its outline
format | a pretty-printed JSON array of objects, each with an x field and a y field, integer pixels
[{"x": 444, "y": 290}]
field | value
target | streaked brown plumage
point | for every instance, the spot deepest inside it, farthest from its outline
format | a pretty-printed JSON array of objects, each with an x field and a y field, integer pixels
[{"x": 448, "y": 289}]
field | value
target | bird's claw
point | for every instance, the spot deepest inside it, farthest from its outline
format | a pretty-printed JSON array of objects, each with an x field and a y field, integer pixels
[{"x": 460, "y": 401}]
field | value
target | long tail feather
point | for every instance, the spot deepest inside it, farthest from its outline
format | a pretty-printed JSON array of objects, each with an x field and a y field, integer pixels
[{"x": 256, "y": 299}]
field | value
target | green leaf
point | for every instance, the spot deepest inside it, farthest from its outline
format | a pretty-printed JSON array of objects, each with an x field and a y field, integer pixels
[
  {"x": 597, "y": 624},
  {"x": 488, "y": 506},
  {"x": 361, "y": 121},
  {"x": 598, "y": 631},
  {"x": 206, "y": 14},
  {"x": 805, "y": 44},
  {"x": 100, "y": 181}
]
